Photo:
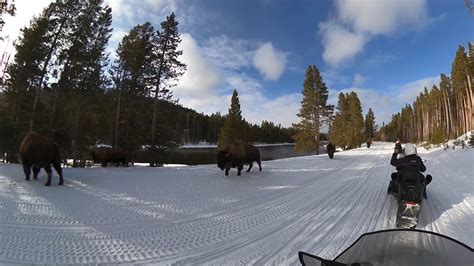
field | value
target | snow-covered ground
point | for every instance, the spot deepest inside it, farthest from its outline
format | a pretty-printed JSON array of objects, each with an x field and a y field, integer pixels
[{"x": 195, "y": 215}]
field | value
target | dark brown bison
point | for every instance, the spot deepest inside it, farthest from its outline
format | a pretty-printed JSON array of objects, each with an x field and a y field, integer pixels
[
  {"x": 369, "y": 142},
  {"x": 40, "y": 152},
  {"x": 237, "y": 154},
  {"x": 330, "y": 148},
  {"x": 104, "y": 155}
]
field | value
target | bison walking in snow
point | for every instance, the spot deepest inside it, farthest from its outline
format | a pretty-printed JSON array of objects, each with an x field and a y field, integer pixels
[
  {"x": 104, "y": 155},
  {"x": 330, "y": 148},
  {"x": 39, "y": 152},
  {"x": 237, "y": 154}
]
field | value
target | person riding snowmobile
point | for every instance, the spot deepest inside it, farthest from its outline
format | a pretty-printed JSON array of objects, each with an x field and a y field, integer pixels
[{"x": 407, "y": 157}]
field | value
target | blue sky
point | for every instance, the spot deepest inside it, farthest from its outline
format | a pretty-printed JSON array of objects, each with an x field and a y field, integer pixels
[{"x": 386, "y": 51}]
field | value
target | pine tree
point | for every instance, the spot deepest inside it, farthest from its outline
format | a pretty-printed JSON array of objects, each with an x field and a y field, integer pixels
[
  {"x": 83, "y": 78},
  {"x": 347, "y": 129},
  {"x": 370, "y": 127},
  {"x": 131, "y": 75},
  {"x": 314, "y": 112},
  {"x": 233, "y": 125},
  {"x": 26, "y": 70},
  {"x": 169, "y": 68},
  {"x": 356, "y": 119},
  {"x": 338, "y": 130}
]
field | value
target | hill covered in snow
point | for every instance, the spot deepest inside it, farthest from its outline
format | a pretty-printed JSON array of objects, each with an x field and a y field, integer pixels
[{"x": 196, "y": 215}]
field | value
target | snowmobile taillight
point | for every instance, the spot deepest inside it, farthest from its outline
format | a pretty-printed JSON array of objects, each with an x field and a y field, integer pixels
[{"x": 410, "y": 203}]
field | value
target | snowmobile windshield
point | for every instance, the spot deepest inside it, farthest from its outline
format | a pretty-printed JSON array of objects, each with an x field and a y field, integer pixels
[{"x": 399, "y": 247}]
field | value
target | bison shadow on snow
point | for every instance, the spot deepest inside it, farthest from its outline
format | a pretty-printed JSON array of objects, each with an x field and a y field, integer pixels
[
  {"x": 236, "y": 154},
  {"x": 38, "y": 152}
]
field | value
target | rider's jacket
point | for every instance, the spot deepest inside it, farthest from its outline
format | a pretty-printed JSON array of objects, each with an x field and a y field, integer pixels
[{"x": 409, "y": 160}]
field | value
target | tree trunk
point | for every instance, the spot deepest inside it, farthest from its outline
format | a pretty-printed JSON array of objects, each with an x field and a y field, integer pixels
[
  {"x": 470, "y": 103},
  {"x": 117, "y": 117},
  {"x": 75, "y": 138}
]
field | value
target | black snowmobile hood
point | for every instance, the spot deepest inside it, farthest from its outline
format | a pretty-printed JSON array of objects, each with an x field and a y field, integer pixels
[{"x": 399, "y": 247}]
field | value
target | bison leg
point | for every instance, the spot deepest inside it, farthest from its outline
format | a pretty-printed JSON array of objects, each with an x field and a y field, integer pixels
[
  {"x": 259, "y": 165},
  {"x": 27, "y": 170},
  {"x": 36, "y": 171},
  {"x": 104, "y": 164},
  {"x": 250, "y": 167},
  {"x": 48, "y": 170},
  {"x": 239, "y": 169},
  {"x": 57, "y": 167},
  {"x": 227, "y": 171}
]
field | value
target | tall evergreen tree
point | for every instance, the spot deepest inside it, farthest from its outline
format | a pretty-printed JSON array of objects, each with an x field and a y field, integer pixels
[
  {"x": 356, "y": 119},
  {"x": 169, "y": 68},
  {"x": 26, "y": 70},
  {"x": 233, "y": 125},
  {"x": 369, "y": 123},
  {"x": 132, "y": 74},
  {"x": 83, "y": 75},
  {"x": 347, "y": 129},
  {"x": 314, "y": 112}
]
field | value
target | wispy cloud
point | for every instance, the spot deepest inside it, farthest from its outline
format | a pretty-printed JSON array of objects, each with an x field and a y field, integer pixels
[{"x": 229, "y": 53}]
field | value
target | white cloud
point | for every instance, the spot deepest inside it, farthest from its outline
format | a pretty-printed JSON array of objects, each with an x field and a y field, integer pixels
[
  {"x": 207, "y": 87},
  {"x": 269, "y": 61},
  {"x": 130, "y": 11},
  {"x": 408, "y": 92},
  {"x": 198, "y": 87},
  {"x": 339, "y": 43},
  {"x": 356, "y": 22},
  {"x": 358, "y": 80},
  {"x": 382, "y": 17}
]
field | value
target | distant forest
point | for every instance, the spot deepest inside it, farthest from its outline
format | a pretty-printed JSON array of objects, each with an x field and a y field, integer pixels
[{"x": 443, "y": 112}]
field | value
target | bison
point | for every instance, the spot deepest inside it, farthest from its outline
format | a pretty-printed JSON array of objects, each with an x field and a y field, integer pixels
[
  {"x": 330, "y": 148},
  {"x": 237, "y": 154},
  {"x": 369, "y": 142},
  {"x": 104, "y": 155},
  {"x": 39, "y": 152}
]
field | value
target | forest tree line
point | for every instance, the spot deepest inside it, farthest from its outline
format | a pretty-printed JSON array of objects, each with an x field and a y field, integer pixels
[
  {"x": 63, "y": 84},
  {"x": 443, "y": 112}
]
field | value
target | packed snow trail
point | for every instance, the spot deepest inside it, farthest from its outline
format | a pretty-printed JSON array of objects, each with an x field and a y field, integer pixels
[{"x": 196, "y": 215}]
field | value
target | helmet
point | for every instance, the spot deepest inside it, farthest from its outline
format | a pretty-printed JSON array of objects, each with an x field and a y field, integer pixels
[{"x": 410, "y": 149}]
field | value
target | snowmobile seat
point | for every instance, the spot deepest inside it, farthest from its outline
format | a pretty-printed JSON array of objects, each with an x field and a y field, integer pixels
[{"x": 410, "y": 184}]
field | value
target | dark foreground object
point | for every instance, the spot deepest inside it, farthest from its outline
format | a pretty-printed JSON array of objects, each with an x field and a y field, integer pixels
[
  {"x": 331, "y": 149},
  {"x": 399, "y": 247},
  {"x": 104, "y": 155},
  {"x": 38, "y": 152},
  {"x": 237, "y": 154}
]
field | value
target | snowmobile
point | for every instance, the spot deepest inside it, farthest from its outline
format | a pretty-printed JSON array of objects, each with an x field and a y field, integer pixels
[
  {"x": 409, "y": 190},
  {"x": 409, "y": 194},
  {"x": 398, "y": 247}
]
